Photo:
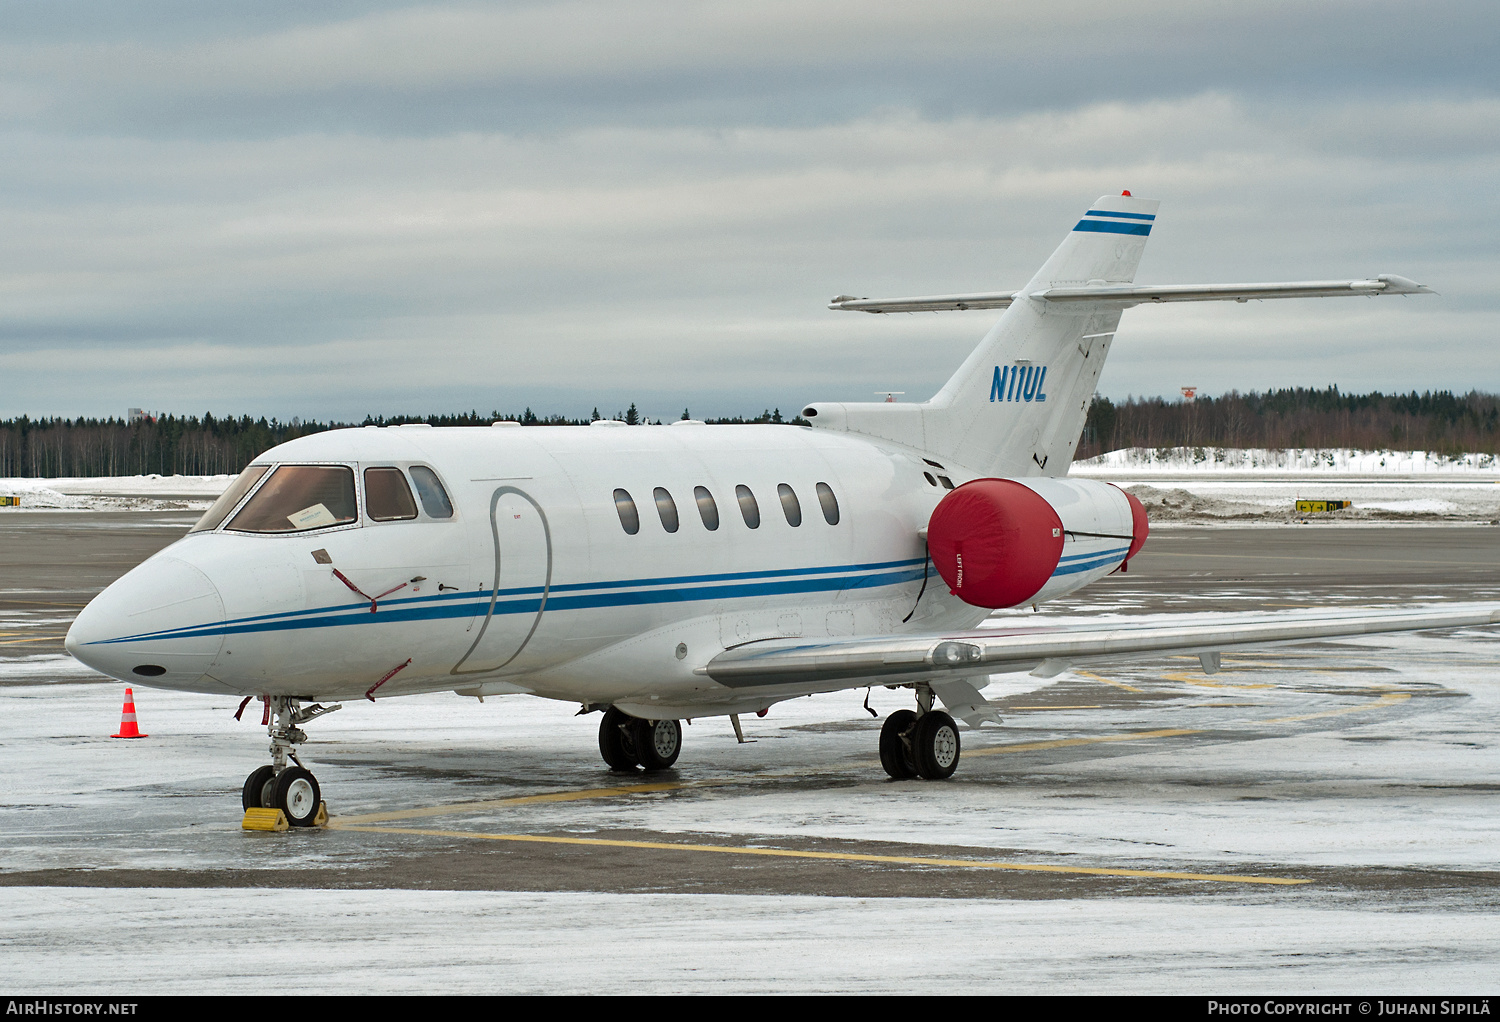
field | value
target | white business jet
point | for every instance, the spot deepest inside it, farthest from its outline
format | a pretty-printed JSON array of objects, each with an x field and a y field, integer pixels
[{"x": 662, "y": 573}]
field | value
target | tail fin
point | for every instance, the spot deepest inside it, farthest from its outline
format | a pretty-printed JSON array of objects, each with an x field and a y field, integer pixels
[{"x": 1017, "y": 404}]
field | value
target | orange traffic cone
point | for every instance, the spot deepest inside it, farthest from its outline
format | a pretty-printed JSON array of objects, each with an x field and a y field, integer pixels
[{"x": 127, "y": 719}]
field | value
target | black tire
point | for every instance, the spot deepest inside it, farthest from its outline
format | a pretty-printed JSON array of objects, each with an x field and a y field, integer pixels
[
  {"x": 895, "y": 755},
  {"x": 935, "y": 745},
  {"x": 616, "y": 742},
  {"x": 657, "y": 743},
  {"x": 298, "y": 796},
  {"x": 254, "y": 794}
]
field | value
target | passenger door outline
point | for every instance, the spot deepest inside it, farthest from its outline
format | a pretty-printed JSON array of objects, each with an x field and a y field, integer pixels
[{"x": 495, "y": 583}]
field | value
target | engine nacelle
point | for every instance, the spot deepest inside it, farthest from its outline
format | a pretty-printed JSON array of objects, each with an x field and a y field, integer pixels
[{"x": 1005, "y": 542}]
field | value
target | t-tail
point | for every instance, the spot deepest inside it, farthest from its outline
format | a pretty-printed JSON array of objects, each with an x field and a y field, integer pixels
[{"x": 1017, "y": 405}]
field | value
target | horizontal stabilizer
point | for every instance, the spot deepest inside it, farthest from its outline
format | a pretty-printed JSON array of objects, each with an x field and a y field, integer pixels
[
  {"x": 902, "y": 659},
  {"x": 1126, "y": 295},
  {"x": 930, "y": 303}
]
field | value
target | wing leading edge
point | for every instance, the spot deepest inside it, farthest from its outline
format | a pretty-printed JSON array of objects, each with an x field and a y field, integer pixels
[
  {"x": 1127, "y": 295},
  {"x": 943, "y": 659}
]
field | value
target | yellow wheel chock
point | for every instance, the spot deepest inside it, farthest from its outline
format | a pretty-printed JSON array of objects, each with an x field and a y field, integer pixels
[{"x": 275, "y": 819}]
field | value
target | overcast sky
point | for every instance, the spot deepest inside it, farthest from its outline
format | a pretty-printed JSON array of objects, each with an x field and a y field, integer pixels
[{"x": 340, "y": 209}]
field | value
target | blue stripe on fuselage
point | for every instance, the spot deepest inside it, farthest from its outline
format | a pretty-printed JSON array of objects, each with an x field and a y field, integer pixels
[
  {"x": 559, "y": 597},
  {"x": 1096, "y": 554},
  {"x": 576, "y": 596}
]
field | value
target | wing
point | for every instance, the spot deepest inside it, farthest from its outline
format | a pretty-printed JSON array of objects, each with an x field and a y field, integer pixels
[
  {"x": 1126, "y": 295},
  {"x": 948, "y": 661}
]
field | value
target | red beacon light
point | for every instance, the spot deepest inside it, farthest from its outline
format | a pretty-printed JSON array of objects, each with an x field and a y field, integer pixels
[{"x": 1126, "y": 193}]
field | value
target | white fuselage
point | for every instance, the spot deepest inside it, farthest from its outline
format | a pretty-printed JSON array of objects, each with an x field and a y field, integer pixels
[{"x": 534, "y": 583}]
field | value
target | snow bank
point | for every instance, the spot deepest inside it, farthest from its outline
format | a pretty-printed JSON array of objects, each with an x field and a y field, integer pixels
[
  {"x": 117, "y": 493},
  {"x": 1294, "y": 461}
]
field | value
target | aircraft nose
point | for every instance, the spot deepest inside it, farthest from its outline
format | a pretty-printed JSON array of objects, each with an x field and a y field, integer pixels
[{"x": 161, "y": 624}]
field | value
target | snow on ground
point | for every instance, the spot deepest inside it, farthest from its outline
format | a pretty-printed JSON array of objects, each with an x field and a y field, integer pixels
[
  {"x": 1207, "y": 486},
  {"x": 116, "y": 493},
  {"x": 1410, "y": 787},
  {"x": 79, "y": 940}
]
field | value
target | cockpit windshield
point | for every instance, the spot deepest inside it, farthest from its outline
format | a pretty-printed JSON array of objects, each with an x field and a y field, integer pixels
[
  {"x": 300, "y": 497},
  {"x": 229, "y": 498}
]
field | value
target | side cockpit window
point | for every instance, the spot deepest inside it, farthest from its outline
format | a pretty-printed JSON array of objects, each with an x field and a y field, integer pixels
[
  {"x": 297, "y": 498},
  {"x": 434, "y": 498},
  {"x": 387, "y": 497},
  {"x": 220, "y": 509}
]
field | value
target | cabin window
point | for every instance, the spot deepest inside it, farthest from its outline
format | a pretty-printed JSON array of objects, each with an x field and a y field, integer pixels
[
  {"x": 434, "y": 498},
  {"x": 790, "y": 506},
  {"x": 666, "y": 508},
  {"x": 929, "y": 478},
  {"x": 630, "y": 519},
  {"x": 387, "y": 497},
  {"x": 749, "y": 509},
  {"x": 829, "y": 502},
  {"x": 220, "y": 509},
  {"x": 707, "y": 509},
  {"x": 297, "y": 498}
]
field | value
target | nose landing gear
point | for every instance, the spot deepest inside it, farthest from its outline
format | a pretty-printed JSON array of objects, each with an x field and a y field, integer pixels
[
  {"x": 293, "y": 790},
  {"x": 920, "y": 744},
  {"x": 627, "y": 742}
]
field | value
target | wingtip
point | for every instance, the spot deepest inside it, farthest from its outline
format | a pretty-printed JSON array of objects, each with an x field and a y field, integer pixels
[{"x": 1399, "y": 285}]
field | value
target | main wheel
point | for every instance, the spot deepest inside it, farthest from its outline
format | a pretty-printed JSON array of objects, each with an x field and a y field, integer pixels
[
  {"x": 260, "y": 788},
  {"x": 657, "y": 743},
  {"x": 617, "y": 741},
  {"x": 895, "y": 756},
  {"x": 298, "y": 796},
  {"x": 935, "y": 746}
]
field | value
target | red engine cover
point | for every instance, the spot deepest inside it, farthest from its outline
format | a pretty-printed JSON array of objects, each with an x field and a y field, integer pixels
[
  {"x": 1139, "y": 527},
  {"x": 995, "y": 542}
]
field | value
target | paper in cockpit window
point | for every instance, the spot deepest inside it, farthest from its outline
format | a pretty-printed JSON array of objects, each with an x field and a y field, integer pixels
[{"x": 314, "y": 517}]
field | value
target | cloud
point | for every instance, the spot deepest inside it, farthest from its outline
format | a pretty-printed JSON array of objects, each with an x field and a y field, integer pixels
[
  {"x": 438, "y": 68},
  {"x": 171, "y": 203}
]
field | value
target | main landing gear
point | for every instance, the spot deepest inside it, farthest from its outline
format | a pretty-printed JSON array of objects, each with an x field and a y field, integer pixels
[
  {"x": 628, "y": 742},
  {"x": 294, "y": 790},
  {"x": 919, "y": 744}
]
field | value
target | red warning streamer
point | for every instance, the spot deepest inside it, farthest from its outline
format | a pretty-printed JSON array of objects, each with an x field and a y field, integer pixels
[
  {"x": 373, "y": 599},
  {"x": 370, "y": 695}
]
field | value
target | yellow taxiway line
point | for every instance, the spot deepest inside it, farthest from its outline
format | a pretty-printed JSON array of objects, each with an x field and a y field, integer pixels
[
  {"x": 355, "y": 822},
  {"x": 787, "y": 853},
  {"x": 521, "y": 800},
  {"x": 367, "y": 822},
  {"x": 1108, "y": 681},
  {"x": 1385, "y": 700},
  {"x": 1188, "y": 679},
  {"x": 1063, "y": 743}
]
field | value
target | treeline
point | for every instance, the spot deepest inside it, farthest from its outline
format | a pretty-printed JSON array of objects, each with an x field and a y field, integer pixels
[
  {"x": 1438, "y": 421},
  {"x": 190, "y": 445}
]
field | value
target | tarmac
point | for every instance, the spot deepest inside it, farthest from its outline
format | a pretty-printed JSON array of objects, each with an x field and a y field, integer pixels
[{"x": 1340, "y": 782}]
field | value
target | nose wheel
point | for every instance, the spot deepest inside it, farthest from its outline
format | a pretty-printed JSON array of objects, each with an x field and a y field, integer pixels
[{"x": 292, "y": 789}]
